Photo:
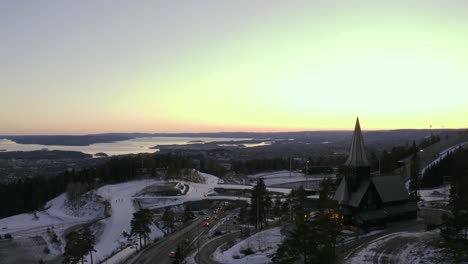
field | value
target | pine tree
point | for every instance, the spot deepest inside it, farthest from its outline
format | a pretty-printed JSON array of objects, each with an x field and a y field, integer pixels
[
  {"x": 168, "y": 218},
  {"x": 74, "y": 249},
  {"x": 179, "y": 255},
  {"x": 88, "y": 242},
  {"x": 327, "y": 186},
  {"x": 310, "y": 242},
  {"x": 140, "y": 225},
  {"x": 414, "y": 177},
  {"x": 260, "y": 205}
]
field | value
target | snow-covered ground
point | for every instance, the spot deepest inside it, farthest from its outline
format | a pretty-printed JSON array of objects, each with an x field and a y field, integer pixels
[
  {"x": 123, "y": 203},
  {"x": 248, "y": 187},
  {"x": 58, "y": 214},
  {"x": 435, "y": 194},
  {"x": 275, "y": 174},
  {"x": 32, "y": 232},
  {"x": 120, "y": 197},
  {"x": 401, "y": 247},
  {"x": 284, "y": 177},
  {"x": 264, "y": 244}
]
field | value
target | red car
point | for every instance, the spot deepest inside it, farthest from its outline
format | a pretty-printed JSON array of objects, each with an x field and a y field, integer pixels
[
  {"x": 172, "y": 254},
  {"x": 206, "y": 224}
]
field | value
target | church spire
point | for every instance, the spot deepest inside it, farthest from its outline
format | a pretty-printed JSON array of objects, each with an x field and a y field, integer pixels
[{"x": 357, "y": 154}]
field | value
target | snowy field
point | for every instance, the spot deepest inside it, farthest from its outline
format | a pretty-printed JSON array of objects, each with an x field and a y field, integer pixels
[
  {"x": 248, "y": 187},
  {"x": 32, "y": 232},
  {"x": 124, "y": 203},
  {"x": 275, "y": 174},
  {"x": 284, "y": 177},
  {"x": 401, "y": 247},
  {"x": 58, "y": 215},
  {"x": 264, "y": 244},
  {"x": 120, "y": 197},
  {"x": 123, "y": 200},
  {"x": 435, "y": 194}
]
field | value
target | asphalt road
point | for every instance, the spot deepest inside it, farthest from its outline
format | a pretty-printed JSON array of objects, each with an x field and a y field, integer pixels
[
  {"x": 159, "y": 251},
  {"x": 204, "y": 255}
]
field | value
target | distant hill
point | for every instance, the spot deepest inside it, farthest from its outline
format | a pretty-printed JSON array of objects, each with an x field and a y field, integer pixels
[
  {"x": 389, "y": 136},
  {"x": 44, "y": 154}
]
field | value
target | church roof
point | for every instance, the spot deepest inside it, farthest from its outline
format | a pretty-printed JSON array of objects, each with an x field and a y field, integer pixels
[
  {"x": 357, "y": 196},
  {"x": 390, "y": 188},
  {"x": 342, "y": 193},
  {"x": 357, "y": 154}
]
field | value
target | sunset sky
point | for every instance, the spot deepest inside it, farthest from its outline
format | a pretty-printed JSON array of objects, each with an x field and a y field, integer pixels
[{"x": 76, "y": 67}]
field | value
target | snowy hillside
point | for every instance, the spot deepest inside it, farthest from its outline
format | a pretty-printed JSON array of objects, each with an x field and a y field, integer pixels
[
  {"x": 263, "y": 244},
  {"x": 59, "y": 212}
]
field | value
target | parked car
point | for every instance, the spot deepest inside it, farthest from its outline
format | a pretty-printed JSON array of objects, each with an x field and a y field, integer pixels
[
  {"x": 172, "y": 254},
  {"x": 206, "y": 224},
  {"x": 7, "y": 236},
  {"x": 207, "y": 218}
]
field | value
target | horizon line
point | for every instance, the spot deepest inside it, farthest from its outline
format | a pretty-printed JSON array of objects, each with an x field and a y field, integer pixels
[{"x": 226, "y": 132}]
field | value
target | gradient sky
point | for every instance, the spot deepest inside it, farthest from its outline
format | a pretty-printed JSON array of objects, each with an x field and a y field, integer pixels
[{"x": 75, "y": 67}]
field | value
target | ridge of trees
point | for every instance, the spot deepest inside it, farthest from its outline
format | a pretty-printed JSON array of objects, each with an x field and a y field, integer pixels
[
  {"x": 26, "y": 195},
  {"x": 388, "y": 159},
  {"x": 260, "y": 165},
  {"x": 452, "y": 165},
  {"x": 455, "y": 229}
]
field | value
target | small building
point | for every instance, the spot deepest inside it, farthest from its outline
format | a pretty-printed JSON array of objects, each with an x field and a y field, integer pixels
[{"x": 367, "y": 200}]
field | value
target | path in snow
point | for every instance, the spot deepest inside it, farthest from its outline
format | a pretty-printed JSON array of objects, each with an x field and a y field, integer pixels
[
  {"x": 397, "y": 248},
  {"x": 120, "y": 197}
]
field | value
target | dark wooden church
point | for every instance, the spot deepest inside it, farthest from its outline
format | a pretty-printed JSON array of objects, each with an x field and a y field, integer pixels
[{"x": 367, "y": 200}]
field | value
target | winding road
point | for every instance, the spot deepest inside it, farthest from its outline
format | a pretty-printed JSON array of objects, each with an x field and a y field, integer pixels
[{"x": 204, "y": 256}]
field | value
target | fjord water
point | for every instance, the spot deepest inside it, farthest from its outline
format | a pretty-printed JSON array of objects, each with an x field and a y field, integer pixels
[{"x": 137, "y": 145}]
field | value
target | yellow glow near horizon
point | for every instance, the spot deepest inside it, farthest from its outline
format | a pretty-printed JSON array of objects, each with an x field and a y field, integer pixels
[
  {"x": 305, "y": 70},
  {"x": 405, "y": 73}
]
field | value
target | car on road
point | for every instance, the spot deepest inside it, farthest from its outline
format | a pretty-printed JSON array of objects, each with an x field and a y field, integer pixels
[
  {"x": 206, "y": 224},
  {"x": 207, "y": 218},
  {"x": 172, "y": 254}
]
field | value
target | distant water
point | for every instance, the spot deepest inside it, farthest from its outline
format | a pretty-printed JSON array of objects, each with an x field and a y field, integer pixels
[{"x": 137, "y": 145}]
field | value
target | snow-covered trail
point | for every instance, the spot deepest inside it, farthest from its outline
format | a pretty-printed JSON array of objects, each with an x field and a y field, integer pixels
[
  {"x": 23, "y": 225},
  {"x": 120, "y": 197},
  {"x": 402, "y": 247},
  {"x": 263, "y": 243}
]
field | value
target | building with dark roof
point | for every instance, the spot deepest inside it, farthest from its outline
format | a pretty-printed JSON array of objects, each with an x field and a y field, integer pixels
[{"x": 367, "y": 200}]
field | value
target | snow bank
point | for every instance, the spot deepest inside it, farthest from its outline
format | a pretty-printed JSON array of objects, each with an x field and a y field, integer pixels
[
  {"x": 58, "y": 213},
  {"x": 400, "y": 247},
  {"x": 264, "y": 244},
  {"x": 435, "y": 194},
  {"x": 120, "y": 197}
]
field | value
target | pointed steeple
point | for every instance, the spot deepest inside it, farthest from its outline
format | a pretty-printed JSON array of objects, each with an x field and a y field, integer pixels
[{"x": 357, "y": 154}]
